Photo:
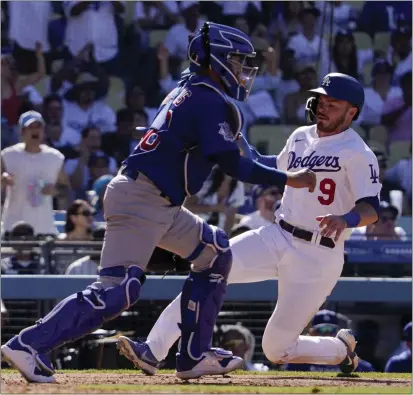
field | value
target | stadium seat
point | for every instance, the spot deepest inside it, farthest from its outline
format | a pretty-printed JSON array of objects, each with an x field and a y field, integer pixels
[
  {"x": 360, "y": 131},
  {"x": 270, "y": 138},
  {"x": 363, "y": 40},
  {"x": 156, "y": 37},
  {"x": 116, "y": 94},
  {"x": 382, "y": 41},
  {"x": 379, "y": 134},
  {"x": 399, "y": 150},
  {"x": 357, "y": 5},
  {"x": 377, "y": 145}
]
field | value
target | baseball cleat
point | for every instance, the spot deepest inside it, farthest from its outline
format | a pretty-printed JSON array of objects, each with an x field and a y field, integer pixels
[
  {"x": 351, "y": 362},
  {"x": 214, "y": 362},
  {"x": 139, "y": 353},
  {"x": 34, "y": 367}
]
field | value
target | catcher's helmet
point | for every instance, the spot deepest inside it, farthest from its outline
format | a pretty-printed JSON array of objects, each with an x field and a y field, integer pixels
[{"x": 338, "y": 86}]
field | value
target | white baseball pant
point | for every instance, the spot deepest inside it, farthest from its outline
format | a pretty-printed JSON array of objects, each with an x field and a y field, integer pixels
[{"x": 307, "y": 273}]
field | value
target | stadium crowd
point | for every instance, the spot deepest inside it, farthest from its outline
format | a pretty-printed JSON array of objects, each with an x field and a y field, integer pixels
[{"x": 79, "y": 77}]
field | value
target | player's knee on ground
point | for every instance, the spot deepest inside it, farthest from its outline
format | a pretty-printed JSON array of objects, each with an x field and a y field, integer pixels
[{"x": 278, "y": 345}]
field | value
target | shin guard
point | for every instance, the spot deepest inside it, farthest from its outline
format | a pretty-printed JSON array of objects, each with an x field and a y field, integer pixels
[{"x": 82, "y": 313}]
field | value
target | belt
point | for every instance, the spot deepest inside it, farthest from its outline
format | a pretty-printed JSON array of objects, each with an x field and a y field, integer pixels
[
  {"x": 306, "y": 235},
  {"x": 134, "y": 174}
]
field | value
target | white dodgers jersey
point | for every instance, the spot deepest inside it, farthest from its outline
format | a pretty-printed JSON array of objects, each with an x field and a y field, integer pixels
[{"x": 346, "y": 171}]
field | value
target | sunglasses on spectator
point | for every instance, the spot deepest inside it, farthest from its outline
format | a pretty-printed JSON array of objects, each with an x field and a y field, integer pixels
[
  {"x": 326, "y": 330},
  {"x": 86, "y": 213}
]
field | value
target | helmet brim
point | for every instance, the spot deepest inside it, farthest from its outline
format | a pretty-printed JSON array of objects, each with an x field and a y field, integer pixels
[{"x": 321, "y": 91}]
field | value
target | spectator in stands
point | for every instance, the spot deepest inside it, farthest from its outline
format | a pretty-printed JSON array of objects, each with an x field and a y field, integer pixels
[
  {"x": 135, "y": 101},
  {"x": 400, "y": 52},
  {"x": 384, "y": 229},
  {"x": 155, "y": 14},
  {"x": 402, "y": 363},
  {"x": 24, "y": 261},
  {"x": 326, "y": 323},
  {"x": 14, "y": 86},
  {"x": 294, "y": 103},
  {"x": 33, "y": 173},
  {"x": 83, "y": 109},
  {"x": 79, "y": 169},
  {"x": 346, "y": 57},
  {"x": 287, "y": 83},
  {"x": 94, "y": 22},
  {"x": 387, "y": 185},
  {"x": 401, "y": 175},
  {"x": 177, "y": 38},
  {"x": 288, "y": 23},
  {"x": 79, "y": 222},
  {"x": 397, "y": 112},
  {"x": 267, "y": 198},
  {"x": 53, "y": 115},
  {"x": 343, "y": 14},
  {"x": 218, "y": 200},
  {"x": 28, "y": 30},
  {"x": 308, "y": 46},
  {"x": 240, "y": 340},
  {"x": 261, "y": 103},
  {"x": 384, "y": 16},
  {"x": 380, "y": 91},
  {"x": 99, "y": 189},
  {"x": 118, "y": 145}
]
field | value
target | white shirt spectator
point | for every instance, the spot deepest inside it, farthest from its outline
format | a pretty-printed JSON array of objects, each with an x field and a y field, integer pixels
[
  {"x": 95, "y": 25},
  {"x": 29, "y": 22},
  {"x": 83, "y": 266},
  {"x": 76, "y": 119},
  {"x": 373, "y": 105},
  {"x": 236, "y": 200},
  {"x": 253, "y": 221},
  {"x": 177, "y": 39},
  {"x": 262, "y": 105},
  {"x": 360, "y": 233},
  {"x": 154, "y": 12},
  {"x": 71, "y": 164},
  {"x": 307, "y": 51},
  {"x": 24, "y": 200},
  {"x": 363, "y": 56},
  {"x": 237, "y": 7},
  {"x": 342, "y": 14},
  {"x": 401, "y": 173},
  {"x": 402, "y": 67}
]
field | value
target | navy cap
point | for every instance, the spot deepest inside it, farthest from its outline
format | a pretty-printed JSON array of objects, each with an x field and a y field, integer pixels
[
  {"x": 324, "y": 317},
  {"x": 342, "y": 87},
  {"x": 407, "y": 332},
  {"x": 29, "y": 117}
]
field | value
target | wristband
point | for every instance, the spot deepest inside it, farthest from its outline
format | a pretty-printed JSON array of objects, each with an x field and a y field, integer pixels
[{"x": 352, "y": 219}]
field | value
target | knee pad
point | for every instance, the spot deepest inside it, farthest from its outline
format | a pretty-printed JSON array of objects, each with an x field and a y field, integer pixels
[
  {"x": 213, "y": 237},
  {"x": 83, "y": 313}
]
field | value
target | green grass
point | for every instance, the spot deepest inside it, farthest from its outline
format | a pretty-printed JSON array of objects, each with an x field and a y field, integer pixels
[{"x": 235, "y": 389}]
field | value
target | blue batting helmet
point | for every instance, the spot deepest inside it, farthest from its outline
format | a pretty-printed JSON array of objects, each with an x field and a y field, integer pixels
[
  {"x": 227, "y": 51},
  {"x": 338, "y": 86}
]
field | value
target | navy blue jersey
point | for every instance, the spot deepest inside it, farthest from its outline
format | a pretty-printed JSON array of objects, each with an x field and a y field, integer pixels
[{"x": 195, "y": 121}]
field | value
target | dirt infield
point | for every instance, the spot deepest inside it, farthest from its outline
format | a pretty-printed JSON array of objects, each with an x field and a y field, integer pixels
[{"x": 70, "y": 383}]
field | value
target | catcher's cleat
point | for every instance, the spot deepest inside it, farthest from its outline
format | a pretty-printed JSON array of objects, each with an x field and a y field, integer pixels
[
  {"x": 139, "y": 353},
  {"x": 214, "y": 362},
  {"x": 34, "y": 367},
  {"x": 351, "y": 362}
]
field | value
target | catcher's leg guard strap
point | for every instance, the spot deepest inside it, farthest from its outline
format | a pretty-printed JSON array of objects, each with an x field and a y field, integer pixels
[
  {"x": 202, "y": 297},
  {"x": 82, "y": 313}
]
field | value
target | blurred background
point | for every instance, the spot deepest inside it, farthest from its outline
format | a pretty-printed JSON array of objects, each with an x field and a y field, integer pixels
[{"x": 96, "y": 70}]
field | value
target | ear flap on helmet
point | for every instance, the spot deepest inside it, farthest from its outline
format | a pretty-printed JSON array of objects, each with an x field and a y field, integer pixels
[{"x": 311, "y": 109}]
